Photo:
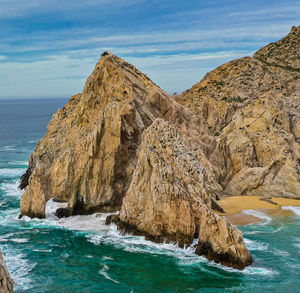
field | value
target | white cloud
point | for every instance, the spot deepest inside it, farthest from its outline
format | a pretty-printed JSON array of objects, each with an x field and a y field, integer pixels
[{"x": 61, "y": 75}]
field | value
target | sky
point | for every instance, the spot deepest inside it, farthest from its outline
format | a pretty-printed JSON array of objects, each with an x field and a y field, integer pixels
[{"x": 49, "y": 47}]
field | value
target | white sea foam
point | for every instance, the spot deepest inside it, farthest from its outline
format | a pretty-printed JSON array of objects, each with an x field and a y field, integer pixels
[
  {"x": 266, "y": 219},
  {"x": 8, "y": 148},
  {"x": 11, "y": 173},
  {"x": 252, "y": 270},
  {"x": 104, "y": 273},
  {"x": 19, "y": 268},
  {"x": 281, "y": 252},
  {"x": 93, "y": 223},
  {"x": 294, "y": 210},
  {"x": 138, "y": 244},
  {"x": 18, "y": 163},
  {"x": 255, "y": 245},
  {"x": 249, "y": 270},
  {"x": 43, "y": 250},
  {"x": 296, "y": 243},
  {"x": 11, "y": 188},
  {"x": 52, "y": 206},
  {"x": 19, "y": 240},
  {"x": 9, "y": 217}
]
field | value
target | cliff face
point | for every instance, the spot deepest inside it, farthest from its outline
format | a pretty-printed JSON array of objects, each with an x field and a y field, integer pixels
[
  {"x": 125, "y": 144},
  {"x": 169, "y": 198},
  {"x": 88, "y": 154},
  {"x": 252, "y": 105},
  {"x": 6, "y": 283}
]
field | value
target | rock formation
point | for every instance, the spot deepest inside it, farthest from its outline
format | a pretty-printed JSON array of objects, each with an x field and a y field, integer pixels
[
  {"x": 88, "y": 155},
  {"x": 125, "y": 144},
  {"x": 252, "y": 106},
  {"x": 169, "y": 199},
  {"x": 6, "y": 283},
  {"x": 171, "y": 183}
]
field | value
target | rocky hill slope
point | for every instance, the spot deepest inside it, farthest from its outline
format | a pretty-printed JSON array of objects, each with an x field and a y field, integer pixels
[
  {"x": 125, "y": 144},
  {"x": 253, "y": 106}
]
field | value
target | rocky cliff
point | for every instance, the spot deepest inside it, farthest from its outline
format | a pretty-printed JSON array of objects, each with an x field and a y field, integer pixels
[
  {"x": 125, "y": 144},
  {"x": 88, "y": 155},
  {"x": 6, "y": 283},
  {"x": 169, "y": 198},
  {"x": 252, "y": 105},
  {"x": 89, "y": 152}
]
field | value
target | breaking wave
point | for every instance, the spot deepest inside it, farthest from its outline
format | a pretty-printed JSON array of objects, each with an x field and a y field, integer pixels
[{"x": 294, "y": 210}]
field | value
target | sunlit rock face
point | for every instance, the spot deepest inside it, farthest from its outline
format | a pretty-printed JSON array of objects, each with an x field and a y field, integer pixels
[
  {"x": 252, "y": 106},
  {"x": 88, "y": 155}
]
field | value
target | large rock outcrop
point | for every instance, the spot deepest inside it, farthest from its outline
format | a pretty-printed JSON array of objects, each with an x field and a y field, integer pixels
[
  {"x": 94, "y": 154},
  {"x": 125, "y": 144},
  {"x": 252, "y": 106},
  {"x": 88, "y": 155},
  {"x": 6, "y": 283},
  {"x": 169, "y": 198},
  {"x": 168, "y": 187},
  {"x": 220, "y": 241}
]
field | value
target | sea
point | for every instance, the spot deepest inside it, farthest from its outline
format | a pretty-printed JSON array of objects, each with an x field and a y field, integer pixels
[{"x": 82, "y": 254}]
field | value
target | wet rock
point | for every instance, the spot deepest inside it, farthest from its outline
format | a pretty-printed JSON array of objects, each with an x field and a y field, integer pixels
[
  {"x": 221, "y": 241},
  {"x": 6, "y": 283}
]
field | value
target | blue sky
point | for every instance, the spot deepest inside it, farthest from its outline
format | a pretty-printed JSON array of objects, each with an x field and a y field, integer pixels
[{"x": 49, "y": 47}]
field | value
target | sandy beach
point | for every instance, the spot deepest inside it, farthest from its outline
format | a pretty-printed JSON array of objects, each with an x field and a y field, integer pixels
[{"x": 234, "y": 206}]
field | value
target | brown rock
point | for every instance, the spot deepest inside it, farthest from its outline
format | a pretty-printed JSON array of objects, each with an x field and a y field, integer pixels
[
  {"x": 252, "y": 107},
  {"x": 124, "y": 136},
  {"x": 88, "y": 155},
  {"x": 221, "y": 241},
  {"x": 168, "y": 197},
  {"x": 169, "y": 184},
  {"x": 6, "y": 283}
]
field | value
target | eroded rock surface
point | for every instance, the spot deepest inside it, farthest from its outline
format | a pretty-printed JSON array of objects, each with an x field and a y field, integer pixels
[
  {"x": 168, "y": 186},
  {"x": 6, "y": 283},
  {"x": 170, "y": 196},
  {"x": 88, "y": 155},
  {"x": 252, "y": 107}
]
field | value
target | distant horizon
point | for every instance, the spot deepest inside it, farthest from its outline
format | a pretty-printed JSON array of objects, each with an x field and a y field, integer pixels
[
  {"x": 33, "y": 97},
  {"x": 49, "y": 48}
]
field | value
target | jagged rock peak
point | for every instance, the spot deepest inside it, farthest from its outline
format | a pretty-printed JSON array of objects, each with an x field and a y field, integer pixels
[
  {"x": 283, "y": 53},
  {"x": 87, "y": 157},
  {"x": 112, "y": 63}
]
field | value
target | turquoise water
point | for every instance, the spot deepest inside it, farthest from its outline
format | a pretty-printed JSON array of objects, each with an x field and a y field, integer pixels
[{"x": 81, "y": 254}]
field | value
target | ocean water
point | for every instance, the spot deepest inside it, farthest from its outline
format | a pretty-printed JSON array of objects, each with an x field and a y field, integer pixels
[{"x": 81, "y": 254}]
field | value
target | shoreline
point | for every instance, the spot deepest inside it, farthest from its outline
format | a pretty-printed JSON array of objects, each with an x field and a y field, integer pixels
[{"x": 272, "y": 206}]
